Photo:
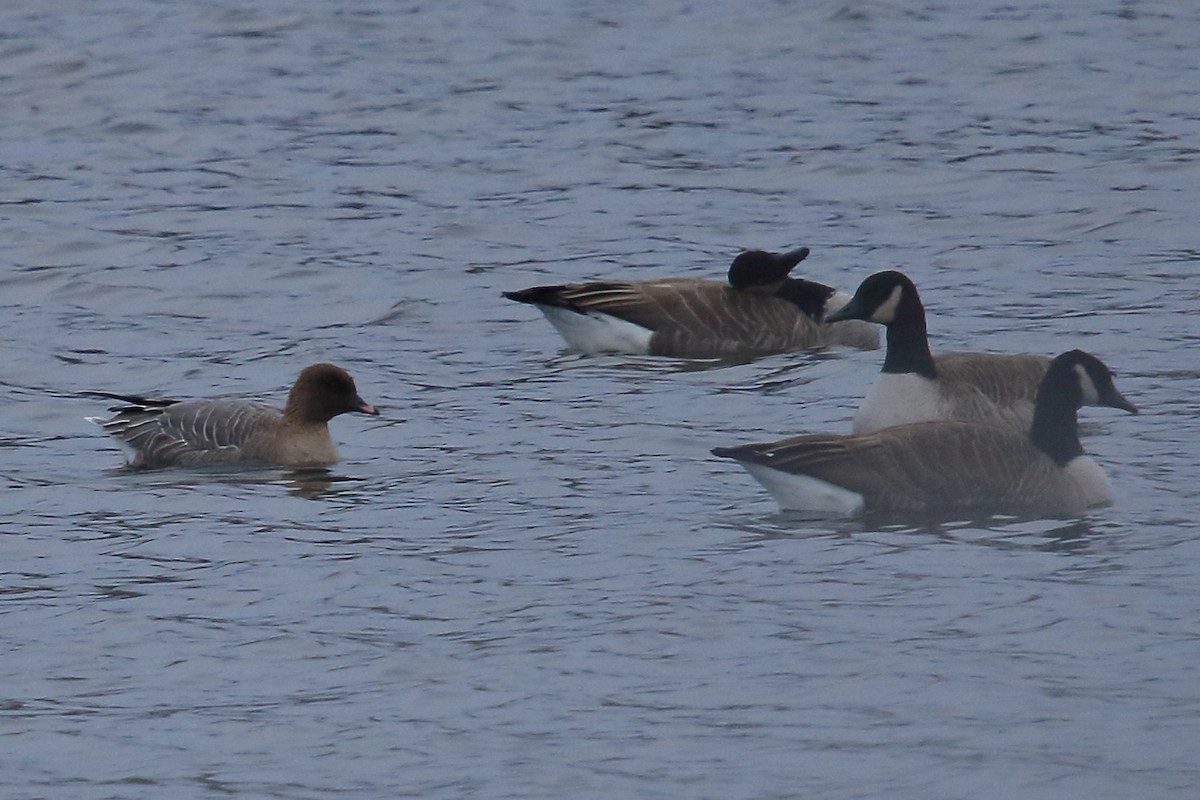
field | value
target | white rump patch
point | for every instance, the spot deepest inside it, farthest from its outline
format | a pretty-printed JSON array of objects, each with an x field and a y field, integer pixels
[
  {"x": 593, "y": 332},
  {"x": 900, "y": 399},
  {"x": 886, "y": 312},
  {"x": 806, "y": 494}
]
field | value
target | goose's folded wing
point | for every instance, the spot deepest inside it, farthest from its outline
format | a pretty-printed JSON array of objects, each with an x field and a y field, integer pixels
[
  {"x": 1003, "y": 379},
  {"x": 912, "y": 466},
  {"x": 164, "y": 434}
]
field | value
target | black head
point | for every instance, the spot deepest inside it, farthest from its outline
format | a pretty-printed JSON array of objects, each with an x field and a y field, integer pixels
[
  {"x": 759, "y": 270},
  {"x": 322, "y": 392},
  {"x": 1077, "y": 378},
  {"x": 881, "y": 298}
]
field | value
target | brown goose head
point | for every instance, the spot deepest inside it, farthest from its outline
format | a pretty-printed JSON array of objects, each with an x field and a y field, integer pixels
[{"x": 322, "y": 392}]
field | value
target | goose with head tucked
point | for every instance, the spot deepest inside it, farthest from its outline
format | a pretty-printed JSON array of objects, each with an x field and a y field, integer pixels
[
  {"x": 938, "y": 466},
  {"x": 165, "y": 432},
  {"x": 917, "y": 386},
  {"x": 759, "y": 310}
]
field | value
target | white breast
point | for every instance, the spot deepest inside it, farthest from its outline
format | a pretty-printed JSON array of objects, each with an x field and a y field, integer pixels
[
  {"x": 593, "y": 332},
  {"x": 899, "y": 399},
  {"x": 1089, "y": 483}
]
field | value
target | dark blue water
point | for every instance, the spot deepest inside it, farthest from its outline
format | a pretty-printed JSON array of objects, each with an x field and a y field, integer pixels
[{"x": 529, "y": 579}]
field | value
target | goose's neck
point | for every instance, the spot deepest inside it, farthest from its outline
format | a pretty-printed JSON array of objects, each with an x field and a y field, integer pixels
[
  {"x": 1055, "y": 429},
  {"x": 303, "y": 415},
  {"x": 808, "y": 296},
  {"x": 299, "y": 422},
  {"x": 908, "y": 342}
]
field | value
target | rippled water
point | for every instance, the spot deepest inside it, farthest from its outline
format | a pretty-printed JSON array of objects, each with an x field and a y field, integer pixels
[{"x": 529, "y": 579}]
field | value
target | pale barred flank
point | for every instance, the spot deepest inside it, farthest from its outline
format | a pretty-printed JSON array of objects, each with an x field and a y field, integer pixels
[{"x": 213, "y": 432}]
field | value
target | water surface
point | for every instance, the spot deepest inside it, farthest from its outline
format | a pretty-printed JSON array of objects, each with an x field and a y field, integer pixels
[{"x": 529, "y": 579}]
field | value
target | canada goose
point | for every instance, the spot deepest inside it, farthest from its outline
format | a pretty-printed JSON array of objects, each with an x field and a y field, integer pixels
[
  {"x": 949, "y": 465},
  {"x": 916, "y": 386},
  {"x": 164, "y": 432},
  {"x": 760, "y": 310}
]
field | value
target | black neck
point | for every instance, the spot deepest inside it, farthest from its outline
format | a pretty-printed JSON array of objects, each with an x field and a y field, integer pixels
[
  {"x": 1055, "y": 429},
  {"x": 808, "y": 296},
  {"x": 908, "y": 340}
]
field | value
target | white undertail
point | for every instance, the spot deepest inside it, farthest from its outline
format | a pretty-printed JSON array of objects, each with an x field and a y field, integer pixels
[
  {"x": 805, "y": 494},
  {"x": 596, "y": 332}
]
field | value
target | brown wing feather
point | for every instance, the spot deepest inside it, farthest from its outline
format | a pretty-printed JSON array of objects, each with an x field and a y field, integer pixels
[
  {"x": 705, "y": 318},
  {"x": 1005, "y": 379},
  {"x": 699, "y": 318},
  {"x": 695, "y": 318},
  {"x": 990, "y": 387}
]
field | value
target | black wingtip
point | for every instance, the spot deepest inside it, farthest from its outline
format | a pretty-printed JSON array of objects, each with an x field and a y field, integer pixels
[{"x": 133, "y": 401}]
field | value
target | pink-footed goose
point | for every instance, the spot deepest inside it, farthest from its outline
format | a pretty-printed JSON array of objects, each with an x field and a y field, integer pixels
[
  {"x": 165, "y": 432},
  {"x": 759, "y": 310}
]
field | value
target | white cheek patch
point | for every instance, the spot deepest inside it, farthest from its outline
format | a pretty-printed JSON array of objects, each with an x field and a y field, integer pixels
[
  {"x": 886, "y": 312},
  {"x": 1091, "y": 396}
]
